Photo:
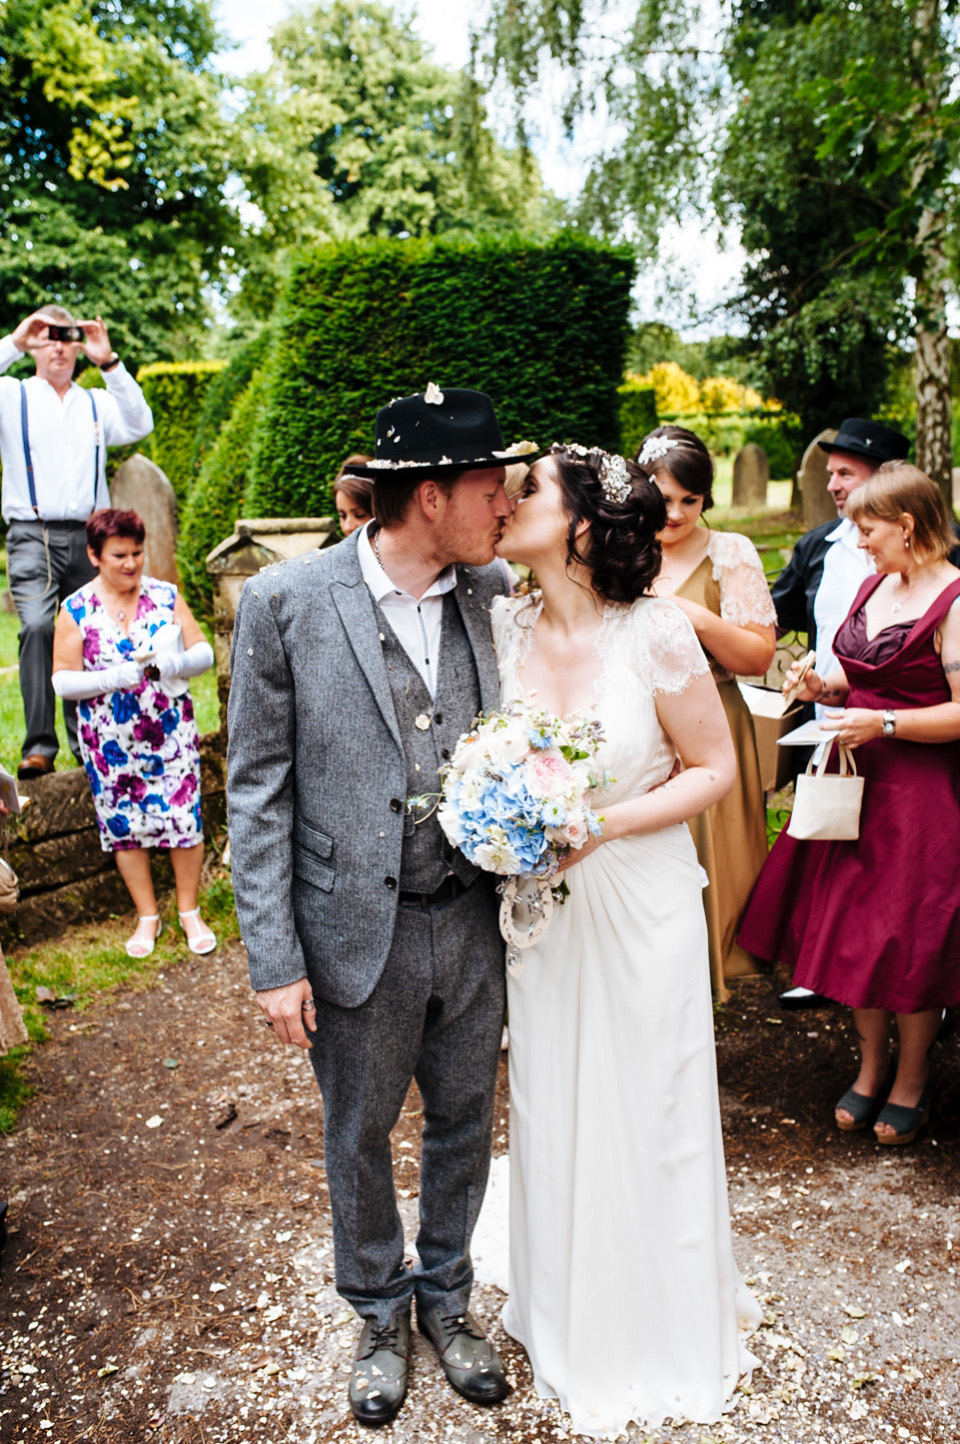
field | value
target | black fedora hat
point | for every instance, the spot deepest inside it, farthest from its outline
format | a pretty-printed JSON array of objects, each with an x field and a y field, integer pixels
[
  {"x": 878, "y": 443},
  {"x": 439, "y": 431}
]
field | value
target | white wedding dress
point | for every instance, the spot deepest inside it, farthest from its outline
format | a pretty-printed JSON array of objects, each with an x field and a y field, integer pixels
[{"x": 622, "y": 1283}]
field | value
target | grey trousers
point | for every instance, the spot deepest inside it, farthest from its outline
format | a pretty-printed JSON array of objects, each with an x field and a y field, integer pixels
[
  {"x": 435, "y": 1015},
  {"x": 46, "y": 561}
]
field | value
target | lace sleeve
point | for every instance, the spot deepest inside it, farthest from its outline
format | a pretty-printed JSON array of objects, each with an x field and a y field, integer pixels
[
  {"x": 499, "y": 623},
  {"x": 738, "y": 570},
  {"x": 668, "y": 654}
]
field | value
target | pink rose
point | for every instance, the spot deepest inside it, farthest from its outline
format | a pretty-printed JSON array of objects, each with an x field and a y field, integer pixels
[
  {"x": 575, "y": 833},
  {"x": 548, "y": 774}
]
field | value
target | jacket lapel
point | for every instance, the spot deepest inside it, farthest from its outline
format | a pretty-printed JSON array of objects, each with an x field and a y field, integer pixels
[
  {"x": 352, "y": 599},
  {"x": 475, "y": 613}
]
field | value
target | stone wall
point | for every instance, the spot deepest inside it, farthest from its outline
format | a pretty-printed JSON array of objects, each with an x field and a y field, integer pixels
[{"x": 65, "y": 876}]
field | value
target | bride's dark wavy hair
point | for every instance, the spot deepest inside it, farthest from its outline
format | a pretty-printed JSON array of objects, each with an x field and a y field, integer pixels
[{"x": 620, "y": 550}]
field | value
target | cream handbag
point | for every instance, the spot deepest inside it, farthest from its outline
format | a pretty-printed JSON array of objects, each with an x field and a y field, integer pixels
[{"x": 826, "y": 806}]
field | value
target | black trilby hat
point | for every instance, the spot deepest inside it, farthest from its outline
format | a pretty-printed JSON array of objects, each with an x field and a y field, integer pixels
[
  {"x": 871, "y": 439},
  {"x": 439, "y": 431}
]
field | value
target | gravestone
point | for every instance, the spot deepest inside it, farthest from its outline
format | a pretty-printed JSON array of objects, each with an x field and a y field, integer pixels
[
  {"x": 751, "y": 474},
  {"x": 138, "y": 485},
  {"x": 818, "y": 504},
  {"x": 256, "y": 543}
]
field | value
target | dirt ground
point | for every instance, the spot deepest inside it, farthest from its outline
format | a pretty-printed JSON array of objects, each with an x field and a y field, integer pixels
[{"x": 169, "y": 1270}]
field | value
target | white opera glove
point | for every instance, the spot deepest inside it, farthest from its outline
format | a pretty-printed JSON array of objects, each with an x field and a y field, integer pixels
[
  {"x": 79, "y": 686},
  {"x": 190, "y": 663}
]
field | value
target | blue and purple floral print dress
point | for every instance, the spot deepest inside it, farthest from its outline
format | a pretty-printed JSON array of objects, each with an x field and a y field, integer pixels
[{"x": 139, "y": 747}]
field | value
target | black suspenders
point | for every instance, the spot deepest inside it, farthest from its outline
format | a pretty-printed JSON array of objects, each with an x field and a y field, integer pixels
[{"x": 28, "y": 458}]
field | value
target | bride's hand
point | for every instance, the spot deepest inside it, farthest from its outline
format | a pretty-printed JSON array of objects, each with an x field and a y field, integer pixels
[{"x": 577, "y": 854}]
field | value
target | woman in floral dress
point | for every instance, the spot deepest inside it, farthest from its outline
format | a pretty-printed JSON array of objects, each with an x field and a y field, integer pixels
[{"x": 124, "y": 647}]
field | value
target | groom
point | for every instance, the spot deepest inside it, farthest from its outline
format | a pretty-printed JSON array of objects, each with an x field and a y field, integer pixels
[{"x": 372, "y": 941}]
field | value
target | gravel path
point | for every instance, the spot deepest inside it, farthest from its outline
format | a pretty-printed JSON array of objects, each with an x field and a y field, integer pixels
[{"x": 169, "y": 1272}]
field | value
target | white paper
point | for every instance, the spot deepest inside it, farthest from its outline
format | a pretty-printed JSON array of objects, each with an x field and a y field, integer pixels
[
  {"x": 810, "y": 734},
  {"x": 8, "y": 791}
]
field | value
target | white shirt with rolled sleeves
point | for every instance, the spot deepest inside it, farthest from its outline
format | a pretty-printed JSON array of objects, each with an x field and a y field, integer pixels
[
  {"x": 845, "y": 568},
  {"x": 63, "y": 440},
  {"x": 416, "y": 624}
]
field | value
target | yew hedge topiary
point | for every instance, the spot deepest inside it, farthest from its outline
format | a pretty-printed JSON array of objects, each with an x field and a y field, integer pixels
[
  {"x": 175, "y": 391},
  {"x": 222, "y": 394},
  {"x": 216, "y": 498},
  {"x": 540, "y": 326}
]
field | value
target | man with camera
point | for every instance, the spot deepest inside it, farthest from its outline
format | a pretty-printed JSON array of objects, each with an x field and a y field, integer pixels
[{"x": 54, "y": 436}]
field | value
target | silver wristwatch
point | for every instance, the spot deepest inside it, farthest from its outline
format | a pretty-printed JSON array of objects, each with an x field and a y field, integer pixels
[{"x": 889, "y": 724}]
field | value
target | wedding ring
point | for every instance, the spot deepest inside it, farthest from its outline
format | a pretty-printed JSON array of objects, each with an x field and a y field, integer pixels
[{"x": 308, "y": 1003}]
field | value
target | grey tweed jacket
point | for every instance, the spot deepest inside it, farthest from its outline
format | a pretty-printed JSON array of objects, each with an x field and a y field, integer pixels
[{"x": 315, "y": 760}]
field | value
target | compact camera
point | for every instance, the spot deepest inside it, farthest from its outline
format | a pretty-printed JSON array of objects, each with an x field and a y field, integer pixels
[{"x": 65, "y": 333}]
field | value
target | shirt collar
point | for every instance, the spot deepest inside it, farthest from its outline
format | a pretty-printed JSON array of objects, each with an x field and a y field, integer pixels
[
  {"x": 844, "y": 531},
  {"x": 381, "y": 585}
]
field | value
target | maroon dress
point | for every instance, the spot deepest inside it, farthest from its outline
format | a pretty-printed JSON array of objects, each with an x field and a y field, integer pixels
[{"x": 876, "y": 923}]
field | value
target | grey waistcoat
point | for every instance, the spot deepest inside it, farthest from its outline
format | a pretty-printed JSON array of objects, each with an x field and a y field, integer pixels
[{"x": 427, "y": 856}]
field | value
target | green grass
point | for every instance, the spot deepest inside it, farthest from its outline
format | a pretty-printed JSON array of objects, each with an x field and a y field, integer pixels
[
  {"x": 89, "y": 962},
  {"x": 203, "y": 689}
]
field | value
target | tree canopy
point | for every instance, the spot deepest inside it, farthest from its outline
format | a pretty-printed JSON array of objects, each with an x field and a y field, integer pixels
[
  {"x": 137, "y": 180},
  {"x": 826, "y": 130},
  {"x": 114, "y": 158},
  {"x": 355, "y": 132}
]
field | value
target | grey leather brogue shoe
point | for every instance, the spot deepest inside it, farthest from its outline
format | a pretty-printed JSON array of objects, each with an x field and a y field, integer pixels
[
  {"x": 468, "y": 1358},
  {"x": 378, "y": 1384}
]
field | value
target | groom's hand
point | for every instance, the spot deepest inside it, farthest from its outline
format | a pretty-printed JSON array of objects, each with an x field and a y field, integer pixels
[{"x": 290, "y": 1012}]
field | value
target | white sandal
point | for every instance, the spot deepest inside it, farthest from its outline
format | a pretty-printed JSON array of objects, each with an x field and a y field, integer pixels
[
  {"x": 138, "y": 947},
  {"x": 204, "y": 941}
]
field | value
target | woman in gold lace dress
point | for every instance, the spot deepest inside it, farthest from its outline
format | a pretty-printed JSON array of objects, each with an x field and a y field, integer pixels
[{"x": 717, "y": 578}]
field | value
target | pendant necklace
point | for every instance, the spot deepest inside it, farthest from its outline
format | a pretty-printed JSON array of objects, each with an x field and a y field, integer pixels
[{"x": 896, "y": 606}]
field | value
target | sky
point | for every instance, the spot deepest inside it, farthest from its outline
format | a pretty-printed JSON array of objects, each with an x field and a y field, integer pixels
[{"x": 709, "y": 263}]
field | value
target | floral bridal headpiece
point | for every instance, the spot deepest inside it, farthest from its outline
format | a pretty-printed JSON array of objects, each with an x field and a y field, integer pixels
[
  {"x": 614, "y": 477},
  {"x": 654, "y": 449}
]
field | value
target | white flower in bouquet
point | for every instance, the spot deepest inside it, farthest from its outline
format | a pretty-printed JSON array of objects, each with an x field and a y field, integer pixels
[{"x": 514, "y": 793}]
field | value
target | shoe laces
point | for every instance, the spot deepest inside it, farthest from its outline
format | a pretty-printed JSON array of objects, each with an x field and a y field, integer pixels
[
  {"x": 462, "y": 1324},
  {"x": 382, "y": 1336}
]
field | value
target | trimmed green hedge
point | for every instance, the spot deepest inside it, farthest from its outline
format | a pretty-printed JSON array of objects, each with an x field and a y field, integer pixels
[
  {"x": 175, "y": 391},
  {"x": 541, "y": 327},
  {"x": 216, "y": 498},
  {"x": 224, "y": 390},
  {"x": 638, "y": 415}
]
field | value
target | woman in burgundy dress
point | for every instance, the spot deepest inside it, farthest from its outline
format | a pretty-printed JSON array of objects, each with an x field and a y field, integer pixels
[{"x": 876, "y": 923}]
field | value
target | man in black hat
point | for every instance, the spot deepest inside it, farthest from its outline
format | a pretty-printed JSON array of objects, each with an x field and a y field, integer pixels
[
  {"x": 815, "y": 592},
  {"x": 371, "y": 941}
]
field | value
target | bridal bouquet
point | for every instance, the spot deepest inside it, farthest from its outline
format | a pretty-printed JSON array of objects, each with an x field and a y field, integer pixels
[{"x": 514, "y": 792}]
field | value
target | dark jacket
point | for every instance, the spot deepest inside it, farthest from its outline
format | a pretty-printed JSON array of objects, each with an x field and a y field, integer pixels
[{"x": 795, "y": 590}]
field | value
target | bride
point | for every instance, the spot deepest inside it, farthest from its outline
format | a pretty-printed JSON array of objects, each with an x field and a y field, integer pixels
[{"x": 623, "y": 1286}]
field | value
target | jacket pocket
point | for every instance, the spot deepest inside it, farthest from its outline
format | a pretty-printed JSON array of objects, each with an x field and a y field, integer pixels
[{"x": 309, "y": 846}]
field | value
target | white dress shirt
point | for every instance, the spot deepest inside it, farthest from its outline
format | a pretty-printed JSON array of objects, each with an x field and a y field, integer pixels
[
  {"x": 63, "y": 440},
  {"x": 416, "y": 624},
  {"x": 845, "y": 569}
]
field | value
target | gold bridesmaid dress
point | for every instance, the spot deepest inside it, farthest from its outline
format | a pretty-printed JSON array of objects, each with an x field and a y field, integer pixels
[{"x": 731, "y": 836}]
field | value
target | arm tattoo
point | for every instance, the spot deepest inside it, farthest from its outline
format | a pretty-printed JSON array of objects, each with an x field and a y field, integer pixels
[{"x": 951, "y": 666}]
